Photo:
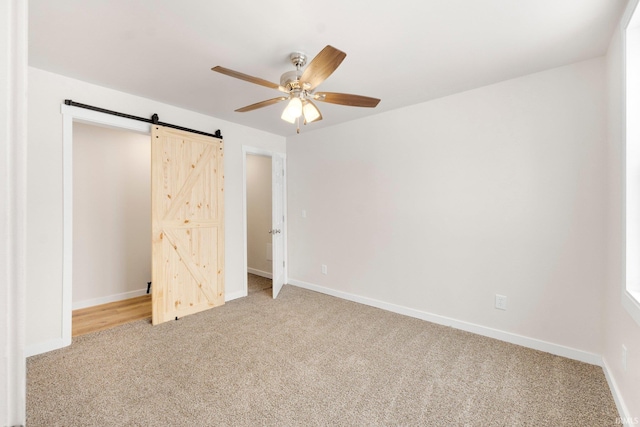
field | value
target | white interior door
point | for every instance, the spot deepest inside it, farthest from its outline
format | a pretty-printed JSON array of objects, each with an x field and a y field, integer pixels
[{"x": 277, "y": 218}]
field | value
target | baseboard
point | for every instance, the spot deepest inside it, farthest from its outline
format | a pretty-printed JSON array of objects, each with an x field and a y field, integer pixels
[
  {"x": 625, "y": 416},
  {"x": 260, "y": 273},
  {"x": 44, "y": 347},
  {"x": 107, "y": 299},
  {"x": 547, "y": 347}
]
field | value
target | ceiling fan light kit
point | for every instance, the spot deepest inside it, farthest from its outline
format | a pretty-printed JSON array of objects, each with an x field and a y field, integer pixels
[
  {"x": 292, "y": 111},
  {"x": 310, "y": 112},
  {"x": 300, "y": 86}
]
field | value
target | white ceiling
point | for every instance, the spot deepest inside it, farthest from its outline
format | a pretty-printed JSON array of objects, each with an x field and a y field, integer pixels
[{"x": 403, "y": 51}]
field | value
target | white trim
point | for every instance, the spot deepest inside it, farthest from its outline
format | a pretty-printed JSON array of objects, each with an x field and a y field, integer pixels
[
  {"x": 623, "y": 411},
  {"x": 44, "y": 347},
  {"x": 67, "y": 225},
  {"x": 246, "y": 149},
  {"x": 630, "y": 303},
  {"x": 245, "y": 256},
  {"x": 109, "y": 298},
  {"x": 13, "y": 213},
  {"x": 285, "y": 212},
  {"x": 628, "y": 14},
  {"x": 234, "y": 295},
  {"x": 69, "y": 115},
  {"x": 547, "y": 347},
  {"x": 630, "y": 298},
  {"x": 260, "y": 273},
  {"x": 103, "y": 119}
]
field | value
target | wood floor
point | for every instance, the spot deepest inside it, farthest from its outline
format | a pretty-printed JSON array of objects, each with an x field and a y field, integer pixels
[{"x": 105, "y": 316}]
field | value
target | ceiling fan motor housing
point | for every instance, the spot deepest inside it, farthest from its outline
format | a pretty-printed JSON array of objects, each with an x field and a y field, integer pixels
[{"x": 291, "y": 79}]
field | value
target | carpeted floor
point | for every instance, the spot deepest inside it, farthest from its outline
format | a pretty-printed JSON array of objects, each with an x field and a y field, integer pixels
[
  {"x": 308, "y": 359},
  {"x": 258, "y": 284}
]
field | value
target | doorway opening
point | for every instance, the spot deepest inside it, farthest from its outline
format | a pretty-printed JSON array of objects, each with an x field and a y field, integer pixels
[
  {"x": 259, "y": 224},
  {"x": 112, "y": 227},
  {"x": 264, "y": 221},
  {"x": 70, "y": 116}
]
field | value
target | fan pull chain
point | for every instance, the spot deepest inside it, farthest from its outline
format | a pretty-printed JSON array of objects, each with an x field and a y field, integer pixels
[{"x": 298, "y": 125}]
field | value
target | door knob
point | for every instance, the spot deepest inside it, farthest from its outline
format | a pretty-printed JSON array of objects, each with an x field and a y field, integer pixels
[{"x": 274, "y": 231}]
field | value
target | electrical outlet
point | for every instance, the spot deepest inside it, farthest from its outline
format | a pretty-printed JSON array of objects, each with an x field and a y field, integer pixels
[
  {"x": 501, "y": 302},
  {"x": 324, "y": 269},
  {"x": 624, "y": 357}
]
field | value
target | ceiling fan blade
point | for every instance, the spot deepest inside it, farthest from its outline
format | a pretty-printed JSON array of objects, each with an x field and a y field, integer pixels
[
  {"x": 261, "y": 104},
  {"x": 346, "y": 99},
  {"x": 322, "y": 66},
  {"x": 248, "y": 78}
]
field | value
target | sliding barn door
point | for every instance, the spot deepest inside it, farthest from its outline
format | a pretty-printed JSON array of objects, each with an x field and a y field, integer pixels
[{"x": 187, "y": 206}]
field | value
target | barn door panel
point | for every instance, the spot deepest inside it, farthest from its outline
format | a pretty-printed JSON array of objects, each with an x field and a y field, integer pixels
[{"x": 187, "y": 220}]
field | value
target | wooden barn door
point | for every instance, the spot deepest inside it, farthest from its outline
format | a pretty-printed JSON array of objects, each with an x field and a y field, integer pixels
[{"x": 187, "y": 209}]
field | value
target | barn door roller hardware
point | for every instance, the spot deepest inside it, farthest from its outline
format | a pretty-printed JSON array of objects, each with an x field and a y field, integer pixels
[{"x": 153, "y": 120}]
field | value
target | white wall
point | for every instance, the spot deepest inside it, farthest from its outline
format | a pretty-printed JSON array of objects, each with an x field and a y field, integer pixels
[
  {"x": 619, "y": 327},
  {"x": 44, "y": 199},
  {"x": 439, "y": 206},
  {"x": 259, "y": 214},
  {"x": 13, "y": 169},
  {"x": 111, "y": 214}
]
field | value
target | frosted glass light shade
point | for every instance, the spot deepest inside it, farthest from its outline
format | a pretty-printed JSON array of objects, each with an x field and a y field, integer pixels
[
  {"x": 310, "y": 112},
  {"x": 292, "y": 111}
]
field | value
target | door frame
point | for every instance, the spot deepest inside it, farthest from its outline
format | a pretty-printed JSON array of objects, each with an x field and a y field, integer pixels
[
  {"x": 246, "y": 149},
  {"x": 70, "y": 115}
]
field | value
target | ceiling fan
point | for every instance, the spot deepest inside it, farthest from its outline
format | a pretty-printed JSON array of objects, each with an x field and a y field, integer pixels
[{"x": 299, "y": 87}]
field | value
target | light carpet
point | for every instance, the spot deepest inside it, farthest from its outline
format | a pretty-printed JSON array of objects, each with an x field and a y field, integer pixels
[{"x": 308, "y": 359}]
